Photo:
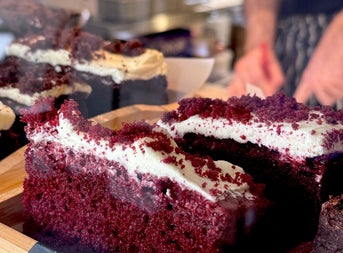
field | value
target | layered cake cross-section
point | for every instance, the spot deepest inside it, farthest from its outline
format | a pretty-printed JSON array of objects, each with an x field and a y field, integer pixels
[
  {"x": 131, "y": 190},
  {"x": 297, "y": 151}
]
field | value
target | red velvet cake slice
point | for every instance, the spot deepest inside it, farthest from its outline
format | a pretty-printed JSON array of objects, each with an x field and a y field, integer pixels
[
  {"x": 297, "y": 151},
  {"x": 120, "y": 73},
  {"x": 132, "y": 190}
]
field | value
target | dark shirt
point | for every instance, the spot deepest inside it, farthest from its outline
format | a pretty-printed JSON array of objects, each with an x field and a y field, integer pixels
[{"x": 290, "y": 7}]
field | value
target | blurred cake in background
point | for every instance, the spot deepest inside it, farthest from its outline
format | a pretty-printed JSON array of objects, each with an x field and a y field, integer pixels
[
  {"x": 9, "y": 139},
  {"x": 120, "y": 73},
  {"x": 22, "y": 82},
  {"x": 51, "y": 56},
  {"x": 31, "y": 16}
]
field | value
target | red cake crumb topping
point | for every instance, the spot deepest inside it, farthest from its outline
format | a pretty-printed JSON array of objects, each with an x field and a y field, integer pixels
[
  {"x": 43, "y": 111},
  {"x": 38, "y": 114},
  {"x": 295, "y": 126},
  {"x": 276, "y": 108},
  {"x": 129, "y": 48},
  {"x": 207, "y": 107},
  {"x": 333, "y": 137},
  {"x": 82, "y": 44}
]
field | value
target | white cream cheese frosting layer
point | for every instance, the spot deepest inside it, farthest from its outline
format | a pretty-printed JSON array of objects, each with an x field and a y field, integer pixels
[
  {"x": 7, "y": 117},
  {"x": 119, "y": 67},
  {"x": 309, "y": 139},
  {"x": 139, "y": 158},
  {"x": 56, "y": 91}
]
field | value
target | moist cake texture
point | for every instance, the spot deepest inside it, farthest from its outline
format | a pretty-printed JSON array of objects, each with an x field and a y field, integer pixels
[
  {"x": 294, "y": 149},
  {"x": 132, "y": 190},
  {"x": 329, "y": 236}
]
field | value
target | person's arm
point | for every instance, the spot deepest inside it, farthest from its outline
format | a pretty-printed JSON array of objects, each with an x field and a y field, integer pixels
[
  {"x": 323, "y": 76},
  {"x": 260, "y": 22},
  {"x": 259, "y": 65}
]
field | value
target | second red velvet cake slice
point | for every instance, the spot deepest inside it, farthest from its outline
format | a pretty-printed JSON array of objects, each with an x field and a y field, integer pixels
[
  {"x": 132, "y": 190},
  {"x": 296, "y": 150}
]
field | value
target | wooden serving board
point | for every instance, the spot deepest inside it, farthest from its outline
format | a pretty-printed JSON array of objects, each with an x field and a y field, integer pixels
[{"x": 12, "y": 174}]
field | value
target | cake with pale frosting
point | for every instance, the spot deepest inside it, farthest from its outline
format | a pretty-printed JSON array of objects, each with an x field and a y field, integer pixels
[
  {"x": 120, "y": 73},
  {"x": 294, "y": 149},
  {"x": 131, "y": 190}
]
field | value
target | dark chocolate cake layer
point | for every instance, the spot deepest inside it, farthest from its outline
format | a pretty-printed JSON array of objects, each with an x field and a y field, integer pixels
[{"x": 329, "y": 238}]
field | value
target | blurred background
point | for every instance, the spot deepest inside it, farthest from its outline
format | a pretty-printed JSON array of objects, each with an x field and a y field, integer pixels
[{"x": 178, "y": 28}]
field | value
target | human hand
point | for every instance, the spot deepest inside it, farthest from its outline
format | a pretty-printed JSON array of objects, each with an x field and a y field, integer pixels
[
  {"x": 323, "y": 76},
  {"x": 258, "y": 67}
]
